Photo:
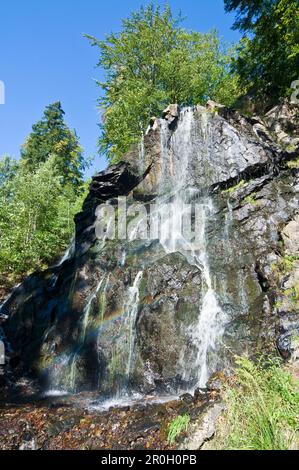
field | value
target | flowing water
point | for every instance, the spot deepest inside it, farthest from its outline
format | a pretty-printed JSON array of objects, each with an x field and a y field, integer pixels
[
  {"x": 177, "y": 156},
  {"x": 64, "y": 373},
  {"x": 187, "y": 213},
  {"x": 122, "y": 360},
  {"x": 68, "y": 253},
  {"x": 141, "y": 154},
  {"x": 130, "y": 320},
  {"x": 87, "y": 310}
]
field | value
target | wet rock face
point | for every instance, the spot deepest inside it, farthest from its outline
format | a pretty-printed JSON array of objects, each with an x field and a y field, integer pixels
[
  {"x": 136, "y": 315},
  {"x": 286, "y": 284},
  {"x": 169, "y": 305},
  {"x": 290, "y": 236},
  {"x": 221, "y": 147}
]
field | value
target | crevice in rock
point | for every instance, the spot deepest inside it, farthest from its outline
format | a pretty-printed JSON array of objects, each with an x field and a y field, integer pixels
[
  {"x": 263, "y": 281},
  {"x": 270, "y": 169}
]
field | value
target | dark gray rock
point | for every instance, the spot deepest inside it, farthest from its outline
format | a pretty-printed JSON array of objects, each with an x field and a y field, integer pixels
[{"x": 116, "y": 315}]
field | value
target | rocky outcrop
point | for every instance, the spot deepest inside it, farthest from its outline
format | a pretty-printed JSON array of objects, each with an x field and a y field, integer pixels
[
  {"x": 286, "y": 284},
  {"x": 171, "y": 114},
  {"x": 128, "y": 315},
  {"x": 283, "y": 122},
  {"x": 204, "y": 429}
]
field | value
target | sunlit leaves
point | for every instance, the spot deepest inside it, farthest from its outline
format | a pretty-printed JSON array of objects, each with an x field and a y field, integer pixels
[{"x": 150, "y": 63}]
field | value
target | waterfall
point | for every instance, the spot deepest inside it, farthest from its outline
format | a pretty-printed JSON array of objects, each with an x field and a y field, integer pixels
[
  {"x": 73, "y": 373},
  {"x": 164, "y": 138},
  {"x": 84, "y": 326},
  {"x": 68, "y": 253},
  {"x": 178, "y": 155},
  {"x": 180, "y": 199},
  {"x": 124, "y": 352},
  {"x": 132, "y": 309},
  {"x": 85, "y": 323},
  {"x": 88, "y": 308},
  {"x": 123, "y": 256},
  {"x": 210, "y": 326},
  {"x": 63, "y": 375}
]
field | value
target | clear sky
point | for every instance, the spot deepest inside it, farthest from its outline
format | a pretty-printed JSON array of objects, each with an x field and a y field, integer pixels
[{"x": 44, "y": 58}]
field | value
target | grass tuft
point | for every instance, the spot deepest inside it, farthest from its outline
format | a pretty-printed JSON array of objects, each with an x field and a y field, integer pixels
[
  {"x": 262, "y": 403},
  {"x": 179, "y": 425}
]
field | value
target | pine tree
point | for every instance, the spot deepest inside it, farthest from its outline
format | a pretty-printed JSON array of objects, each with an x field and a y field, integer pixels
[{"x": 51, "y": 137}]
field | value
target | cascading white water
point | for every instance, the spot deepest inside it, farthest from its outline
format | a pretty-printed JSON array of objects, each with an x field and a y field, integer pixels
[
  {"x": 69, "y": 252},
  {"x": 132, "y": 309},
  {"x": 178, "y": 188},
  {"x": 88, "y": 308},
  {"x": 124, "y": 351},
  {"x": 210, "y": 326},
  {"x": 206, "y": 334},
  {"x": 164, "y": 137}
]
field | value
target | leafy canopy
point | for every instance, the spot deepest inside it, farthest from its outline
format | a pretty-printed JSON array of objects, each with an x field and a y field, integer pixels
[
  {"x": 8, "y": 168},
  {"x": 39, "y": 196},
  {"x": 268, "y": 55},
  {"x": 248, "y": 12},
  {"x": 36, "y": 217},
  {"x": 51, "y": 137},
  {"x": 150, "y": 63}
]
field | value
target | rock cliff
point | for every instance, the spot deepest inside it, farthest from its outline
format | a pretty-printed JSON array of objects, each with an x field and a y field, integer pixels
[{"x": 154, "y": 314}]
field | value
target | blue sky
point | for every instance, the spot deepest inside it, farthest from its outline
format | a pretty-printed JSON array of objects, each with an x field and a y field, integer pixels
[{"x": 44, "y": 58}]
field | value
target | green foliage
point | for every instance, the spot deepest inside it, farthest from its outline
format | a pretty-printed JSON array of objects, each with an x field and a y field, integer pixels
[
  {"x": 251, "y": 199},
  {"x": 268, "y": 55},
  {"x": 36, "y": 218},
  {"x": 288, "y": 261},
  {"x": 179, "y": 425},
  {"x": 232, "y": 189},
  {"x": 8, "y": 168},
  {"x": 150, "y": 63},
  {"x": 39, "y": 196},
  {"x": 248, "y": 12},
  {"x": 284, "y": 265},
  {"x": 51, "y": 137},
  {"x": 262, "y": 407},
  {"x": 293, "y": 163}
]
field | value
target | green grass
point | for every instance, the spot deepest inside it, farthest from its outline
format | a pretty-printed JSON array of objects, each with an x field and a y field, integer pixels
[
  {"x": 262, "y": 403},
  {"x": 179, "y": 425}
]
